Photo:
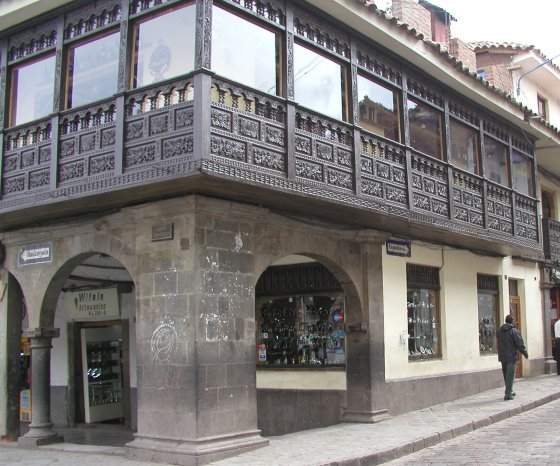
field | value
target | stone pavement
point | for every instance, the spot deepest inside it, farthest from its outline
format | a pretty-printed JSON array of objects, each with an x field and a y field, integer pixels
[{"x": 341, "y": 445}]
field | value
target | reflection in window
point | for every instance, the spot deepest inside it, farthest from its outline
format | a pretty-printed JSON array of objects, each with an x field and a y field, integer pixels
[
  {"x": 495, "y": 161},
  {"x": 379, "y": 109},
  {"x": 425, "y": 128},
  {"x": 464, "y": 152},
  {"x": 488, "y": 312},
  {"x": 522, "y": 174},
  {"x": 319, "y": 82},
  {"x": 255, "y": 57},
  {"x": 164, "y": 46},
  {"x": 32, "y": 90},
  {"x": 93, "y": 70},
  {"x": 422, "y": 305}
]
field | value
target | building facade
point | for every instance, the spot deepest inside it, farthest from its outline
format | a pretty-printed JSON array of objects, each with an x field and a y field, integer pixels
[{"x": 230, "y": 219}]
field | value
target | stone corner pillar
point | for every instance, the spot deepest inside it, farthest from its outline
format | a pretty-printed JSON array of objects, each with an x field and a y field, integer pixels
[
  {"x": 40, "y": 429},
  {"x": 366, "y": 392}
]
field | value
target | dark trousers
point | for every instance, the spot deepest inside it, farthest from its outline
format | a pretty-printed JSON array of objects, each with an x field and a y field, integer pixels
[{"x": 508, "y": 369}]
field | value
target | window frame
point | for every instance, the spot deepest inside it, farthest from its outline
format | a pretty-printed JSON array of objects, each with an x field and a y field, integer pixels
[
  {"x": 423, "y": 277},
  {"x": 345, "y": 79},
  {"x": 507, "y": 174},
  {"x": 531, "y": 181},
  {"x": 397, "y": 95},
  {"x": 279, "y": 48},
  {"x": 133, "y": 43},
  {"x": 442, "y": 130},
  {"x": 542, "y": 107},
  {"x": 12, "y": 86},
  {"x": 67, "y": 77},
  {"x": 488, "y": 285}
]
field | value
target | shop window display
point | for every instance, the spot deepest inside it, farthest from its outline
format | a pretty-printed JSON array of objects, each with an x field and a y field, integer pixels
[
  {"x": 423, "y": 312},
  {"x": 488, "y": 312},
  {"x": 302, "y": 330}
]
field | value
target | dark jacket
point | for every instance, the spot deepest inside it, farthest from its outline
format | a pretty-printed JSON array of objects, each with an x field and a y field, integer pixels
[{"x": 510, "y": 342}]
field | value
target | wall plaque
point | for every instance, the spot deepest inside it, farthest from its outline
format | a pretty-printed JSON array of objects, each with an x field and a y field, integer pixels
[{"x": 162, "y": 232}]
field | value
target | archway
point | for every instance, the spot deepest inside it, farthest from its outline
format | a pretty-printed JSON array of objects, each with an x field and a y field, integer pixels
[
  {"x": 304, "y": 306},
  {"x": 90, "y": 301}
]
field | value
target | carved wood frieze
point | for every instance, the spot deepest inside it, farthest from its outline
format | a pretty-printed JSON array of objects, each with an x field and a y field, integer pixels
[
  {"x": 92, "y": 17},
  {"x": 378, "y": 64},
  {"x": 464, "y": 112},
  {"x": 33, "y": 41},
  {"x": 271, "y": 10}
]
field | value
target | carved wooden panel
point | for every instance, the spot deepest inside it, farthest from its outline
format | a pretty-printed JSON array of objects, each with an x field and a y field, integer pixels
[
  {"x": 429, "y": 185},
  {"x": 158, "y": 127},
  {"x": 27, "y": 155},
  {"x": 321, "y": 33},
  {"x": 377, "y": 63},
  {"x": 32, "y": 41},
  {"x": 425, "y": 90},
  {"x": 323, "y": 151},
  {"x": 526, "y": 215},
  {"x": 551, "y": 239},
  {"x": 272, "y": 10},
  {"x": 464, "y": 112},
  {"x": 495, "y": 129},
  {"x": 92, "y": 17},
  {"x": 143, "y": 6},
  {"x": 468, "y": 198},
  {"x": 383, "y": 170},
  {"x": 247, "y": 127},
  {"x": 499, "y": 207}
]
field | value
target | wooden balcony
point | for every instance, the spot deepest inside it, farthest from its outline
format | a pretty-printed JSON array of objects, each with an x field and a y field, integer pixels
[
  {"x": 551, "y": 239},
  {"x": 202, "y": 134}
]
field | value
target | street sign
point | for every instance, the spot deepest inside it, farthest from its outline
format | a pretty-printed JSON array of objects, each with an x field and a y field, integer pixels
[
  {"x": 35, "y": 254},
  {"x": 398, "y": 248}
]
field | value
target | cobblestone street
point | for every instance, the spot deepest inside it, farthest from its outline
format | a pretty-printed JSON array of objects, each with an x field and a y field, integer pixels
[{"x": 530, "y": 438}]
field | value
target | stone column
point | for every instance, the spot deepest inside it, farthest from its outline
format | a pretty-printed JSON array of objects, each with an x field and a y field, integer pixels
[
  {"x": 366, "y": 392},
  {"x": 40, "y": 431},
  {"x": 546, "y": 286}
]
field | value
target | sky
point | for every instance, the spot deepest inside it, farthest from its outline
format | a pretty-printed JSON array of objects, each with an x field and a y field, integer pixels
[{"x": 529, "y": 22}]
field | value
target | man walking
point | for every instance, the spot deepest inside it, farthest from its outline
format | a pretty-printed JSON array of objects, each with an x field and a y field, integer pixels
[{"x": 510, "y": 342}]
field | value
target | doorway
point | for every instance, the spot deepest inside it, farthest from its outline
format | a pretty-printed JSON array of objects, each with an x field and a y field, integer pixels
[{"x": 515, "y": 311}]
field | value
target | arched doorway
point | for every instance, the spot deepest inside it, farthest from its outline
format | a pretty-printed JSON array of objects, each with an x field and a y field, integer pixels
[{"x": 91, "y": 300}]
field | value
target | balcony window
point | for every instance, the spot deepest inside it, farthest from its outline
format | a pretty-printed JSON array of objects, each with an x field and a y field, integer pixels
[
  {"x": 542, "y": 106},
  {"x": 425, "y": 128},
  {"x": 319, "y": 83},
  {"x": 422, "y": 305},
  {"x": 164, "y": 46},
  {"x": 495, "y": 164},
  {"x": 465, "y": 152},
  {"x": 92, "y": 70},
  {"x": 379, "y": 109},
  {"x": 522, "y": 174},
  {"x": 32, "y": 90},
  {"x": 245, "y": 52}
]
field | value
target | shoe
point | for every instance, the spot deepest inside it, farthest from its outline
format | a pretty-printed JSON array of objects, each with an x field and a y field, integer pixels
[
  {"x": 507, "y": 398},
  {"x": 512, "y": 394}
]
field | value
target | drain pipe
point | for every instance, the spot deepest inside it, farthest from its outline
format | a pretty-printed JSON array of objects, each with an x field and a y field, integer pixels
[{"x": 531, "y": 70}]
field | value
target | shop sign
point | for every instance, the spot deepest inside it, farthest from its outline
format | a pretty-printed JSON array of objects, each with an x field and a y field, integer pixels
[
  {"x": 262, "y": 353},
  {"x": 25, "y": 405},
  {"x": 35, "y": 254},
  {"x": 398, "y": 248},
  {"x": 93, "y": 304}
]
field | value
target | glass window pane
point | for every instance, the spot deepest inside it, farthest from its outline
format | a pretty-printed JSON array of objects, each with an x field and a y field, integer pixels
[
  {"x": 164, "y": 46},
  {"x": 379, "y": 109},
  {"x": 93, "y": 70},
  {"x": 32, "y": 90},
  {"x": 495, "y": 161},
  {"x": 522, "y": 174},
  {"x": 254, "y": 59},
  {"x": 464, "y": 152},
  {"x": 425, "y": 128},
  {"x": 423, "y": 323},
  {"x": 487, "y": 321},
  {"x": 318, "y": 82}
]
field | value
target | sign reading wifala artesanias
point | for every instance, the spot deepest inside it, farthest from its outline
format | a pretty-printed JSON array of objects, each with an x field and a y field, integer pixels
[{"x": 93, "y": 304}]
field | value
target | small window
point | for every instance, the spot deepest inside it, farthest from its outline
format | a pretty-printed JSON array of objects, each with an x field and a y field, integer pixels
[
  {"x": 425, "y": 128},
  {"x": 464, "y": 153},
  {"x": 32, "y": 90},
  {"x": 164, "y": 46},
  {"x": 379, "y": 109},
  {"x": 541, "y": 106},
  {"x": 254, "y": 60},
  {"x": 488, "y": 312},
  {"x": 522, "y": 173},
  {"x": 92, "y": 70},
  {"x": 319, "y": 83},
  {"x": 422, "y": 304},
  {"x": 495, "y": 164}
]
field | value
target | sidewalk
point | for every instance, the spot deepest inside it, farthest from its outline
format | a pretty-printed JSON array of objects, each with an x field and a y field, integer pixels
[{"x": 343, "y": 444}]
